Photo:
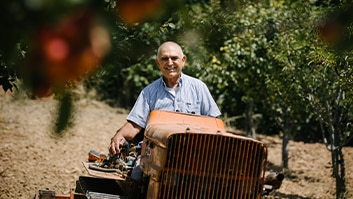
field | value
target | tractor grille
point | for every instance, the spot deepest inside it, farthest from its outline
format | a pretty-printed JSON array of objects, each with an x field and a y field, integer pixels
[{"x": 213, "y": 166}]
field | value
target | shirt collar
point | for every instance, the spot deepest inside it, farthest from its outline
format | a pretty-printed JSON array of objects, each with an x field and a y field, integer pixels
[{"x": 180, "y": 80}]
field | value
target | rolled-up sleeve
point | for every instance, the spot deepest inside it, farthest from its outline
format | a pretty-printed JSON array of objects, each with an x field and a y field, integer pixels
[{"x": 140, "y": 111}]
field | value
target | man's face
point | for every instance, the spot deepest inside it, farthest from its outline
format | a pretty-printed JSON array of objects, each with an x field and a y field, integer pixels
[{"x": 170, "y": 61}]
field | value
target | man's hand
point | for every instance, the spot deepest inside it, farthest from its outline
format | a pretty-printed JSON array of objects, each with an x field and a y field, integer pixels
[
  {"x": 127, "y": 132},
  {"x": 116, "y": 143}
]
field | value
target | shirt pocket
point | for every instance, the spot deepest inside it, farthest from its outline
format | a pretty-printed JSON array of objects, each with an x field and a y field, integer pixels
[{"x": 193, "y": 108}]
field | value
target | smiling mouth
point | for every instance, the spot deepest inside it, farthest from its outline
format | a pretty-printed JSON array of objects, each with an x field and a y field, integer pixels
[{"x": 171, "y": 69}]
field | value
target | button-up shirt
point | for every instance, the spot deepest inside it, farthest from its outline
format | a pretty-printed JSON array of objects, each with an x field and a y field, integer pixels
[{"x": 191, "y": 96}]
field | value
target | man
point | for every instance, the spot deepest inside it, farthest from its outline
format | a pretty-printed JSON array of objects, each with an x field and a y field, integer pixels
[{"x": 174, "y": 91}]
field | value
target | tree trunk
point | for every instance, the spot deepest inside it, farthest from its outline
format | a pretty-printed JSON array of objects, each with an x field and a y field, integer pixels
[
  {"x": 285, "y": 139},
  {"x": 338, "y": 168},
  {"x": 249, "y": 113},
  {"x": 342, "y": 179}
]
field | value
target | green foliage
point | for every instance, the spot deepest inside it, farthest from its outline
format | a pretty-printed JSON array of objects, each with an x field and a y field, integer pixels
[
  {"x": 20, "y": 20},
  {"x": 7, "y": 77},
  {"x": 245, "y": 52},
  {"x": 264, "y": 52},
  {"x": 65, "y": 112},
  {"x": 130, "y": 66}
]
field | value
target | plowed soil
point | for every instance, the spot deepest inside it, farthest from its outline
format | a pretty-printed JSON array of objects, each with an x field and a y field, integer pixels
[{"x": 32, "y": 157}]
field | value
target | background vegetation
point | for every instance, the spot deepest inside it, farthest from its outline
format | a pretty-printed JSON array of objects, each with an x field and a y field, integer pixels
[
  {"x": 274, "y": 67},
  {"x": 264, "y": 61}
]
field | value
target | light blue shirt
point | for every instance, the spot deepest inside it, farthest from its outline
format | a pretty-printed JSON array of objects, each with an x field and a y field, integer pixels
[{"x": 192, "y": 96}]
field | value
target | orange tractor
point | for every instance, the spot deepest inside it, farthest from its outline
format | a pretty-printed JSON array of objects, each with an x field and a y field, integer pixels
[{"x": 181, "y": 156}]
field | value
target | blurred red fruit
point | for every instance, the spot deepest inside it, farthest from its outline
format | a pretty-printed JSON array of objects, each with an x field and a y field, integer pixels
[
  {"x": 68, "y": 51},
  {"x": 44, "y": 90},
  {"x": 331, "y": 32},
  {"x": 56, "y": 49},
  {"x": 134, "y": 11}
]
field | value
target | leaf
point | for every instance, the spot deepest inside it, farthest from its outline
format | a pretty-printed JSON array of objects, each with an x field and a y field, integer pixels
[{"x": 65, "y": 112}]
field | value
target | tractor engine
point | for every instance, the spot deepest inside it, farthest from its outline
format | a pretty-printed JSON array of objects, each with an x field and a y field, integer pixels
[{"x": 192, "y": 156}]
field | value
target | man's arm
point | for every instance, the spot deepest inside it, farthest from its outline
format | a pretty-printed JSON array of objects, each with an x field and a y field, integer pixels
[{"x": 127, "y": 132}]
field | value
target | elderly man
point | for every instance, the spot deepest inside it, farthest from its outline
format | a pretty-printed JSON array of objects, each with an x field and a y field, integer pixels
[{"x": 174, "y": 91}]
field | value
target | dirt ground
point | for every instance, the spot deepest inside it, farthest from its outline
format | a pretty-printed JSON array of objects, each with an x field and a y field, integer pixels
[{"x": 33, "y": 158}]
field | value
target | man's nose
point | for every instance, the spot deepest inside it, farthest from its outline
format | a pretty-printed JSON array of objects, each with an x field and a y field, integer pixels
[{"x": 170, "y": 61}]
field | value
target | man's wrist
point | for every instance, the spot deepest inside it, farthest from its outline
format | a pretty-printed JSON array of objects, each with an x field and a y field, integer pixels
[{"x": 115, "y": 135}]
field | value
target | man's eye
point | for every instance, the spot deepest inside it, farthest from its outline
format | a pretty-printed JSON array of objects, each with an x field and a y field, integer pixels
[
  {"x": 173, "y": 58},
  {"x": 164, "y": 58}
]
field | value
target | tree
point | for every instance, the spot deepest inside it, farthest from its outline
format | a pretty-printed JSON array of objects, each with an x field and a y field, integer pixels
[
  {"x": 50, "y": 46},
  {"x": 330, "y": 93}
]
